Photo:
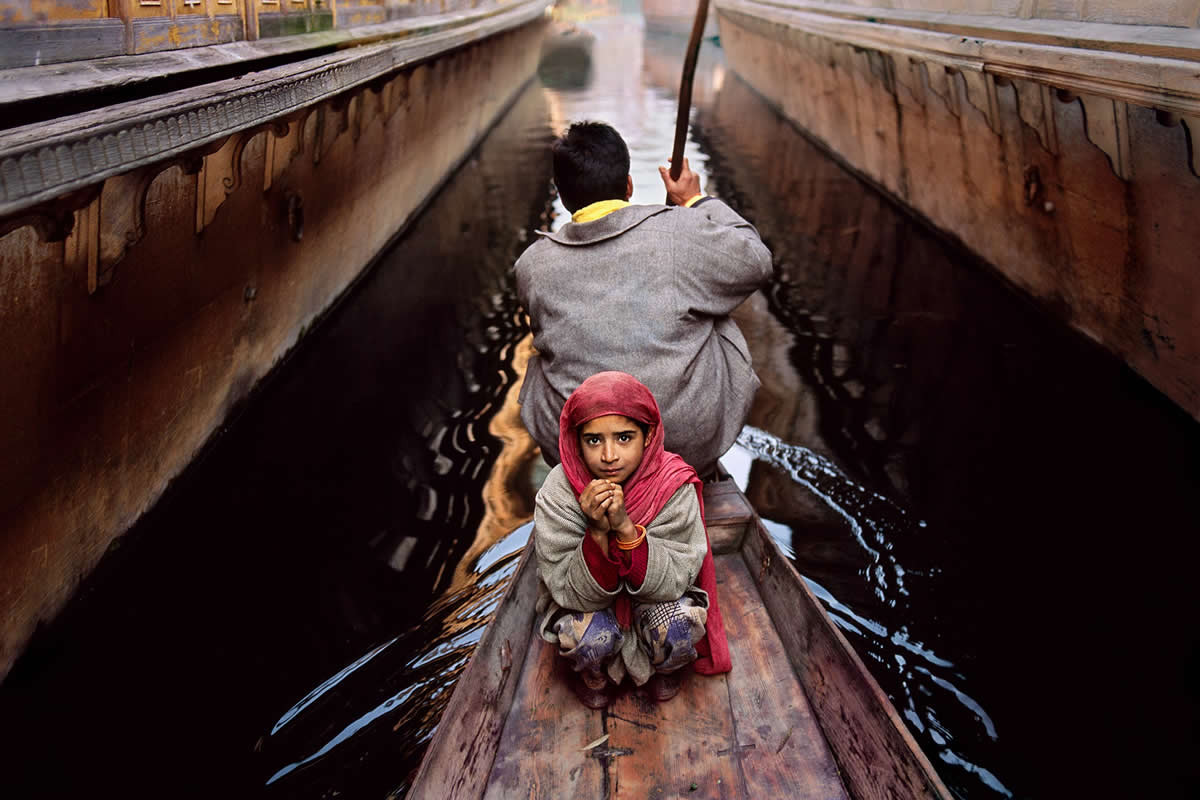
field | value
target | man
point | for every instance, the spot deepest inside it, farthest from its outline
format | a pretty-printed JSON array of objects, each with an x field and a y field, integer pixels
[{"x": 642, "y": 289}]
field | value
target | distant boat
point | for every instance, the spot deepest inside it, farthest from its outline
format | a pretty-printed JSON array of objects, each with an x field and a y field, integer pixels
[
  {"x": 566, "y": 59},
  {"x": 677, "y": 17},
  {"x": 798, "y": 716}
]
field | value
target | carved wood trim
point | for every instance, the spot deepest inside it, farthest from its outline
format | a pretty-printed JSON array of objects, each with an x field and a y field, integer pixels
[
  {"x": 284, "y": 143},
  {"x": 41, "y": 162},
  {"x": 1034, "y": 104},
  {"x": 1192, "y": 126},
  {"x": 981, "y": 93},
  {"x": 52, "y": 221},
  {"x": 1106, "y": 122},
  {"x": 81, "y": 251}
]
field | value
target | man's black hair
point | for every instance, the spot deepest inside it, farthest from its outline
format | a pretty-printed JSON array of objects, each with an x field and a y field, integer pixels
[{"x": 591, "y": 163}]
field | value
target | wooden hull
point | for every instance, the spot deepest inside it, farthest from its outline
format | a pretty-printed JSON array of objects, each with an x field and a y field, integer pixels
[
  {"x": 1059, "y": 148},
  {"x": 798, "y": 715}
]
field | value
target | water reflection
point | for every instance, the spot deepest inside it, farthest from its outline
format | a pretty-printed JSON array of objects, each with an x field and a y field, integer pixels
[{"x": 364, "y": 730}]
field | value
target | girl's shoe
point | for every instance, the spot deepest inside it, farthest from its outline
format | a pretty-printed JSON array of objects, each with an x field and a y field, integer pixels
[
  {"x": 591, "y": 692},
  {"x": 664, "y": 685}
]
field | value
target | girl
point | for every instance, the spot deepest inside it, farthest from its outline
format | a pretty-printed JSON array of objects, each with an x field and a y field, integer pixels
[{"x": 627, "y": 582}]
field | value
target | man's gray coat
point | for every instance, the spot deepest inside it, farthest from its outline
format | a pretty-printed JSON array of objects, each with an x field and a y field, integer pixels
[{"x": 646, "y": 290}]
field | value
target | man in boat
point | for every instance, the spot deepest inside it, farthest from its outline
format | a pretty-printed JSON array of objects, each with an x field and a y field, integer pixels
[{"x": 643, "y": 289}]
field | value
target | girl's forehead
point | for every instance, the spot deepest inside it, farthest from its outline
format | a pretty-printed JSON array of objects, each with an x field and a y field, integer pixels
[{"x": 609, "y": 423}]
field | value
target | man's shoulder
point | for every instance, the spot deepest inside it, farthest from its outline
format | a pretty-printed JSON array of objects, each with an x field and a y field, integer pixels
[
  {"x": 556, "y": 489},
  {"x": 537, "y": 252}
]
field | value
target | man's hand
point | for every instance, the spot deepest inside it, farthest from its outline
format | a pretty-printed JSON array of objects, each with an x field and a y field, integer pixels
[{"x": 684, "y": 189}]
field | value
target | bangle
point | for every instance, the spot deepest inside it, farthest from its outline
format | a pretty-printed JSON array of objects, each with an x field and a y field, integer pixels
[{"x": 641, "y": 529}]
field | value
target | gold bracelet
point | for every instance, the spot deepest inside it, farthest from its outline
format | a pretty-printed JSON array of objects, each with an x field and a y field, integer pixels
[{"x": 634, "y": 544}]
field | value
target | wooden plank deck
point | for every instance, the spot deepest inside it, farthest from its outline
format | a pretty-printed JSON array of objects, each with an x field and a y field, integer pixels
[
  {"x": 750, "y": 733},
  {"x": 798, "y": 715}
]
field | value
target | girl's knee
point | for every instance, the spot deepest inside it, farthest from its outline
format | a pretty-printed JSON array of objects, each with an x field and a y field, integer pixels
[
  {"x": 589, "y": 640},
  {"x": 669, "y": 632}
]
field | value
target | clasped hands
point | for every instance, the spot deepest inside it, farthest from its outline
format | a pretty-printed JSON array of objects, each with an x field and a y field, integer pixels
[{"x": 603, "y": 503}]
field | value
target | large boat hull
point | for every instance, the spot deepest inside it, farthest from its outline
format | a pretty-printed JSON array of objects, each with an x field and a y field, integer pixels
[
  {"x": 1061, "y": 152},
  {"x": 161, "y": 257}
]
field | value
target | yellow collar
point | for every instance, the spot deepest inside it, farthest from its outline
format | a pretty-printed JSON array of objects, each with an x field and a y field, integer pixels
[{"x": 597, "y": 210}]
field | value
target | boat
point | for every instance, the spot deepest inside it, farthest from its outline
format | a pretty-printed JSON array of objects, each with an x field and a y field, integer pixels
[
  {"x": 565, "y": 61},
  {"x": 797, "y": 716}
]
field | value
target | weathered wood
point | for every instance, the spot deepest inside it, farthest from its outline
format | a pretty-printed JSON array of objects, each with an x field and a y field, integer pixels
[
  {"x": 877, "y": 756},
  {"x": 782, "y": 749},
  {"x": 666, "y": 748},
  {"x": 39, "y": 162},
  {"x": 460, "y": 756},
  {"x": 1034, "y": 104},
  {"x": 541, "y": 755},
  {"x": 1192, "y": 126},
  {"x": 285, "y": 25},
  {"x": 63, "y": 41},
  {"x": 1095, "y": 187},
  {"x": 1139, "y": 30},
  {"x": 727, "y": 514},
  {"x": 164, "y": 33},
  {"x": 121, "y": 71},
  {"x": 798, "y": 715},
  {"x": 1107, "y": 125},
  {"x": 1156, "y": 81}
]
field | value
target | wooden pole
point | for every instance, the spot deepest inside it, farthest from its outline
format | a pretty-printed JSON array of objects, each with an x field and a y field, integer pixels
[{"x": 685, "y": 90}]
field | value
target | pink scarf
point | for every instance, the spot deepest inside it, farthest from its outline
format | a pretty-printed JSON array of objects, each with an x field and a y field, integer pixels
[{"x": 647, "y": 490}]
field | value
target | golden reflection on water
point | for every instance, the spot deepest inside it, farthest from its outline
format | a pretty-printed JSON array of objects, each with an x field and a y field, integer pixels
[{"x": 508, "y": 491}]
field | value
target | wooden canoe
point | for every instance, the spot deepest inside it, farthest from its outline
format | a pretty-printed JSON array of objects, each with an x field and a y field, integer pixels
[{"x": 799, "y": 716}]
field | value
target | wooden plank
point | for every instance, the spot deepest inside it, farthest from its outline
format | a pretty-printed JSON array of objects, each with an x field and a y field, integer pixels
[
  {"x": 727, "y": 515},
  {"x": 783, "y": 751},
  {"x": 460, "y": 756},
  {"x": 30, "y": 45},
  {"x": 162, "y": 33},
  {"x": 542, "y": 752},
  {"x": 877, "y": 756},
  {"x": 660, "y": 750}
]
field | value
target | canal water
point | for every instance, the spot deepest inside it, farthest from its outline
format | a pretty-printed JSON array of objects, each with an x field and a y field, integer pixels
[{"x": 999, "y": 516}]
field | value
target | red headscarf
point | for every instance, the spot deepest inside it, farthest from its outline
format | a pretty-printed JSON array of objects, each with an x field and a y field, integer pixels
[{"x": 647, "y": 490}]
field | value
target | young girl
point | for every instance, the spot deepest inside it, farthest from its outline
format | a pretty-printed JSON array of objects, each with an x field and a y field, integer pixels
[{"x": 627, "y": 581}]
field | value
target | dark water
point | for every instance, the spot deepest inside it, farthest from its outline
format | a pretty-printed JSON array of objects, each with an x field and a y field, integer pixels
[{"x": 1000, "y": 517}]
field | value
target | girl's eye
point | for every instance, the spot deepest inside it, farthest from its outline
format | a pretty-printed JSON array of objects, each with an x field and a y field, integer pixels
[
  {"x": 625, "y": 438},
  {"x": 591, "y": 440}
]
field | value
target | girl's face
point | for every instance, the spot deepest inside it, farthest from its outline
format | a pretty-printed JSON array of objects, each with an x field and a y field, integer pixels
[{"x": 611, "y": 447}]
